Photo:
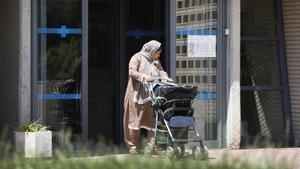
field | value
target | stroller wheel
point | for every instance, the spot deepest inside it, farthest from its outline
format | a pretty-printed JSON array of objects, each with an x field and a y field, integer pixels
[
  {"x": 204, "y": 152},
  {"x": 179, "y": 151},
  {"x": 148, "y": 151},
  {"x": 200, "y": 153},
  {"x": 170, "y": 153},
  {"x": 182, "y": 149}
]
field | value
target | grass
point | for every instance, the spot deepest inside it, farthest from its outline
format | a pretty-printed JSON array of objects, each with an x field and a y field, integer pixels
[
  {"x": 132, "y": 162},
  {"x": 81, "y": 156}
]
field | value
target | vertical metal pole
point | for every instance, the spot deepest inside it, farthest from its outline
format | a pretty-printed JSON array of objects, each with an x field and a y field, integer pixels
[
  {"x": 34, "y": 60},
  {"x": 172, "y": 38},
  {"x": 221, "y": 73},
  {"x": 84, "y": 76},
  {"x": 123, "y": 66},
  {"x": 284, "y": 75},
  {"x": 43, "y": 57}
]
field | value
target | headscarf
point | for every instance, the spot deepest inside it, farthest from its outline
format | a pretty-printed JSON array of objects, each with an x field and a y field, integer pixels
[
  {"x": 149, "y": 49},
  {"x": 146, "y": 67}
]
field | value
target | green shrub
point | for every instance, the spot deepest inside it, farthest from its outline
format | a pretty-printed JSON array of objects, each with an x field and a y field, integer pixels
[{"x": 33, "y": 126}]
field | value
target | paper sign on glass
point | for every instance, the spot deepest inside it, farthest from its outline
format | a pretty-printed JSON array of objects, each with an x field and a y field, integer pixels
[{"x": 201, "y": 46}]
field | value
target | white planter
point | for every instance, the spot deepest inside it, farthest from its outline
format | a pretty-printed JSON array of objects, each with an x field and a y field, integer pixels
[{"x": 34, "y": 144}]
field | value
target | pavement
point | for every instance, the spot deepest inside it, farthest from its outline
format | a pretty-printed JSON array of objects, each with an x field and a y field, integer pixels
[
  {"x": 289, "y": 157},
  {"x": 277, "y": 156}
]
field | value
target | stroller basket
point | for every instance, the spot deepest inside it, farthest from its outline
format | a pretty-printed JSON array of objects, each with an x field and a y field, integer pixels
[{"x": 173, "y": 111}]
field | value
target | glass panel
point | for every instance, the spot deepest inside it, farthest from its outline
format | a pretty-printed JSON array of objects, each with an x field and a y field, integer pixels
[
  {"x": 102, "y": 69},
  {"x": 144, "y": 24},
  {"x": 259, "y": 63},
  {"x": 262, "y": 111},
  {"x": 59, "y": 67},
  {"x": 262, "y": 116},
  {"x": 196, "y": 58},
  {"x": 257, "y": 18}
]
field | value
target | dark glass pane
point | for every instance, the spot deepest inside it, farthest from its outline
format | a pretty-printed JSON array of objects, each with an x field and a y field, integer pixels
[
  {"x": 262, "y": 115},
  {"x": 66, "y": 12},
  {"x": 258, "y": 18},
  {"x": 259, "y": 63},
  {"x": 102, "y": 68}
]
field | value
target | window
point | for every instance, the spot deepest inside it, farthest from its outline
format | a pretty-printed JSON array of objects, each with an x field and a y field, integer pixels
[
  {"x": 213, "y": 79},
  {"x": 193, "y": 2},
  {"x": 183, "y": 64},
  {"x": 177, "y": 64},
  {"x": 214, "y": 15},
  {"x": 183, "y": 49},
  {"x": 204, "y": 79},
  {"x": 197, "y": 63},
  {"x": 179, "y": 4},
  {"x": 201, "y": 2},
  {"x": 207, "y": 15},
  {"x": 190, "y": 79},
  {"x": 192, "y": 18},
  {"x": 186, "y": 3},
  {"x": 177, "y": 79},
  {"x": 200, "y": 16},
  {"x": 178, "y": 19},
  {"x": 177, "y": 49},
  {"x": 205, "y": 63},
  {"x": 214, "y": 64},
  {"x": 185, "y": 18},
  {"x": 183, "y": 79},
  {"x": 197, "y": 79},
  {"x": 191, "y": 64}
]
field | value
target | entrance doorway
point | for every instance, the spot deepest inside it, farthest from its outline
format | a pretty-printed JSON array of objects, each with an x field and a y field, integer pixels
[
  {"x": 117, "y": 30},
  {"x": 102, "y": 69},
  {"x": 81, "y": 51}
]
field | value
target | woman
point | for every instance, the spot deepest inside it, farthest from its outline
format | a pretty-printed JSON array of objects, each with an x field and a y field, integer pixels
[{"x": 143, "y": 67}]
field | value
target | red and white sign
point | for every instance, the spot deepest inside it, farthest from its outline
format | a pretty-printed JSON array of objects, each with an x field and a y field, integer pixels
[{"x": 201, "y": 46}]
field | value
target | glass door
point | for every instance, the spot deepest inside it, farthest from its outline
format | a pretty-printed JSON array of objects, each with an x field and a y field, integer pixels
[
  {"x": 141, "y": 24},
  {"x": 196, "y": 61},
  {"x": 59, "y": 59}
]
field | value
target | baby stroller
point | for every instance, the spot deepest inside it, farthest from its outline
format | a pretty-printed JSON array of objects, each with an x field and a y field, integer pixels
[{"x": 172, "y": 108}]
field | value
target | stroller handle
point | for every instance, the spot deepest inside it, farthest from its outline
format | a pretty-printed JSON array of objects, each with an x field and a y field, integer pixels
[{"x": 159, "y": 79}]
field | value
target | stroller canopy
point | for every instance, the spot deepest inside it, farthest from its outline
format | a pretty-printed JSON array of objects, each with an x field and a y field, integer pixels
[{"x": 176, "y": 92}]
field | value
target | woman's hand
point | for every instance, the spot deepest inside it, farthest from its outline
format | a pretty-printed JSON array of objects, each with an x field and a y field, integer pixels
[
  {"x": 169, "y": 79},
  {"x": 148, "y": 78}
]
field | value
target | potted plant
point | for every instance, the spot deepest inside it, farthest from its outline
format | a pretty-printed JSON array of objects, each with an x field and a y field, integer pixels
[{"x": 33, "y": 140}]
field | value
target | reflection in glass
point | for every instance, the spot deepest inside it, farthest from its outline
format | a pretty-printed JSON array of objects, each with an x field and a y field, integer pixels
[
  {"x": 58, "y": 73},
  {"x": 198, "y": 20}
]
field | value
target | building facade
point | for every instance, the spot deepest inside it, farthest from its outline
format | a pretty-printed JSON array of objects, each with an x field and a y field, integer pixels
[{"x": 64, "y": 62}]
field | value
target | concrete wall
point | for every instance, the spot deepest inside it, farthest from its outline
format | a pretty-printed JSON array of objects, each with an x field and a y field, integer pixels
[
  {"x": 233, "y": 135},
  {"x": 24, "y": 86},
  {"x": 9, "y": 59}
]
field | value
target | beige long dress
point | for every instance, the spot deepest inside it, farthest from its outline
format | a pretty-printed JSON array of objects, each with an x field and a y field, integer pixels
[{"x": 137, "y": 106}]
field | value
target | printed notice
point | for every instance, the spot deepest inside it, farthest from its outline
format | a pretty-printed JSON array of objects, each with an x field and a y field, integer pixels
[{"x": 201, "y": 46}]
